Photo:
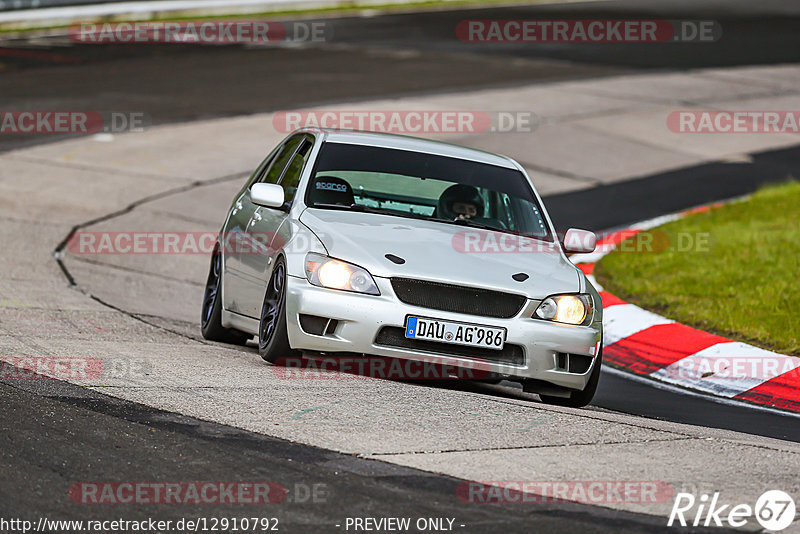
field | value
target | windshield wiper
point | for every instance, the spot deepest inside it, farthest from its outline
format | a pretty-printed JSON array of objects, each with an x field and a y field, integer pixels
[
  {"x": 354, "y": 207},
  {"x": 470, "y": 223},
  {"x": 476, "y": 224},
  {"x": 458, "y": 222},
  {"x": 484, "y": 226}
]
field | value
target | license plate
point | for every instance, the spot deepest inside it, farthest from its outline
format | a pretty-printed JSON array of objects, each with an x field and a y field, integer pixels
[{"x": 471, "y": 335}]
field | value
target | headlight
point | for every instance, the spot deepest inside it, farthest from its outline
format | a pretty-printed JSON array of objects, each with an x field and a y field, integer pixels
[
  {"x": 569, "y": 309},
  {"x": 336, "y": 274}
]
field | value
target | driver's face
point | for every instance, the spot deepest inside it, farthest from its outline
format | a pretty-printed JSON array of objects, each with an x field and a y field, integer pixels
[{"x": 465, "y": 210}]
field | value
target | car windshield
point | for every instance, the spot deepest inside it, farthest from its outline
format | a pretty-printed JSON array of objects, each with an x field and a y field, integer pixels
[{"x": 425, "y": 186}]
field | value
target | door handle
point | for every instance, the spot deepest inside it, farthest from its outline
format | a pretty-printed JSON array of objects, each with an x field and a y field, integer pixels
[{"x": 256, "y": 218}]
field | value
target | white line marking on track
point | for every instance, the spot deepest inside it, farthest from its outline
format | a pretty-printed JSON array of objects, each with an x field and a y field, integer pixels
[
  {"x": 727, "y": 368},
  {"x": 624, "y": 320}
]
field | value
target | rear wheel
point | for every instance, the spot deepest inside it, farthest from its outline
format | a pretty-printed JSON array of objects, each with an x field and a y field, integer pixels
[
  {"x": 273, "y": 339},
  {"x": 579, "y": 399},
  {"x": 211, "y": 317}
]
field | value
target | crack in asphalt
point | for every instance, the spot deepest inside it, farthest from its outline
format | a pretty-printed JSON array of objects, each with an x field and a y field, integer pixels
[
  {"x": 526, "y": 447},
  {"x": 58, "y": 252},
  {"x": 140, "y": 319}
]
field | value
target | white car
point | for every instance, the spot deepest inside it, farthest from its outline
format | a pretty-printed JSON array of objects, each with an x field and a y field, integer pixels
[{"x": 391, "y": 246}]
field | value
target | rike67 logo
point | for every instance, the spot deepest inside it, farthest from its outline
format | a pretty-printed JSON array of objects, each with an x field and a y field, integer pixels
[{"x": 774, "y": 511}]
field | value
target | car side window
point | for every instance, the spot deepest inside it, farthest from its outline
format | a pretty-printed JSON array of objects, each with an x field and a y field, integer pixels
[
  {"x": 258, "y": 174},
  {"x": 295, "y": 168},
  {"x": 273, "y": 173}
]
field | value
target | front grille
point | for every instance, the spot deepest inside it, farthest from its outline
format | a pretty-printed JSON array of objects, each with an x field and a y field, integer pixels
[
  {"x": 394, "y": 336},
  {"x": 459, "y": 299}
]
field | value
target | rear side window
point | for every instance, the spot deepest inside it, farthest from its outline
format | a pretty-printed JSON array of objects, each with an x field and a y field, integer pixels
[
  {"x": 273, "y": 174},
  {"x": 295, "y": 168},
  {"x": 258, "y": 174}
]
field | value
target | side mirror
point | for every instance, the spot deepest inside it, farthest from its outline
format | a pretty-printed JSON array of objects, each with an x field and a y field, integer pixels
[
  {"x": 580, "y": 241},
  {"x": 267, "y": 195}
]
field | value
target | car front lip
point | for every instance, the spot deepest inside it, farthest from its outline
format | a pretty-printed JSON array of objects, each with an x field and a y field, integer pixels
[{"x": 362, "y": 316}]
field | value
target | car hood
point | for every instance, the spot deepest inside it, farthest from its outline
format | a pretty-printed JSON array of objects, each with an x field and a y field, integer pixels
[{"x": 443, "y": 252}]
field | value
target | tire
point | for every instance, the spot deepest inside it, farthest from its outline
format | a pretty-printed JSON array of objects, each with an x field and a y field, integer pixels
[
  {"x": 273, "y": 339},
  {"x": 211, "y": 314},
  {"x": 579, "y": 399}
]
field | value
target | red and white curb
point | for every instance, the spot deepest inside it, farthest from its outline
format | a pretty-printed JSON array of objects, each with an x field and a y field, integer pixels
[{"x": 648, "y": 344}]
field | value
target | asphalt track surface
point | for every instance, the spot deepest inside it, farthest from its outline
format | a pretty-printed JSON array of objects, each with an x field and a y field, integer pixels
[
  {"x": 378, "y": 56},
  {"x": 93, "y": 437},
  {"x": 89, "y": 436},
  {"x": 374, "y": 56}
]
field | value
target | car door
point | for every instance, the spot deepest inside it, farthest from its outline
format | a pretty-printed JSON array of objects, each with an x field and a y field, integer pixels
[
  {"x": 262, "y": 236},
  {"x": 235, "y": 239}
]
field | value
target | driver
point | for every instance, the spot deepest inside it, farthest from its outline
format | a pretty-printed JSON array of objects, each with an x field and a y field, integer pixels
[{"x": 460, "y": 201}]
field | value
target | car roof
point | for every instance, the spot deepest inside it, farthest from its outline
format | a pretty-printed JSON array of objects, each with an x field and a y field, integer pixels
[{"x": 413, "y": 144}]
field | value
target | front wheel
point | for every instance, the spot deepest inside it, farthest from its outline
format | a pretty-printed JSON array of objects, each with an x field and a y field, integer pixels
[
  {"x": 579, "y": 399},
  {"x": 211, "y": 317},
  {"x": 273, "y": 339}
]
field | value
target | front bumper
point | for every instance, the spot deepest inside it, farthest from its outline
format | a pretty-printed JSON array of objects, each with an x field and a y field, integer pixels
[{"x": 361, "y": 317}]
